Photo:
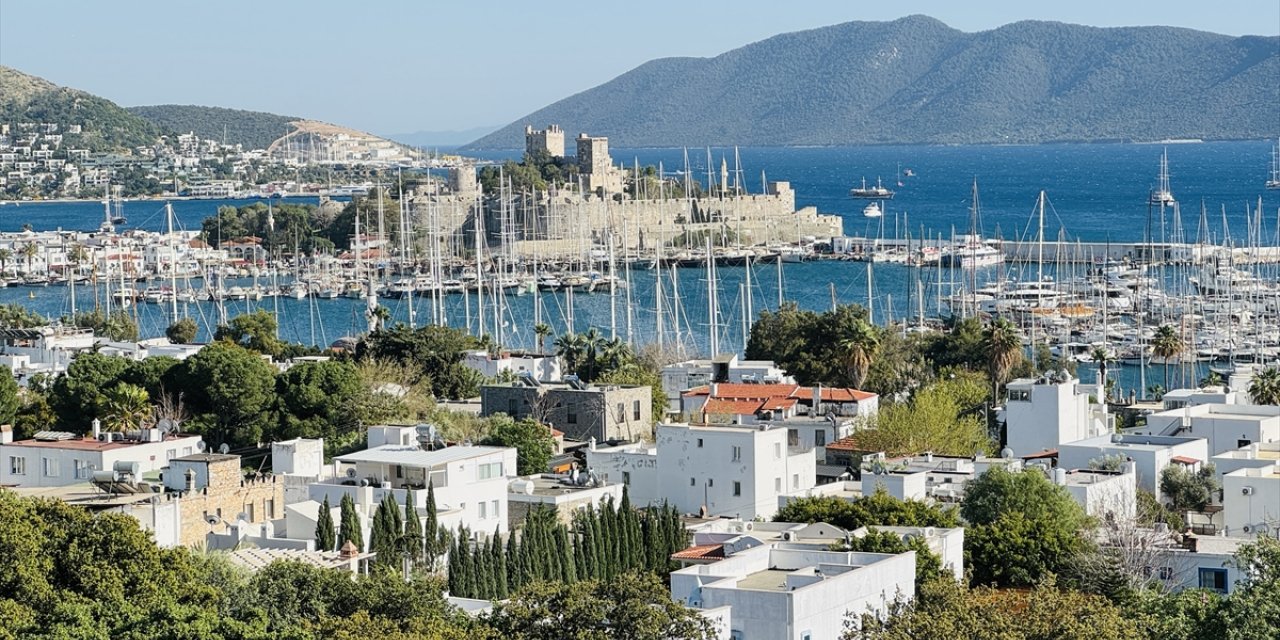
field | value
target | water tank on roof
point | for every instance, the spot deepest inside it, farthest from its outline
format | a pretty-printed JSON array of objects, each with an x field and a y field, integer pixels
[
  {"x": 523, "y": 487},
  {"x": 126, "y": 467}
]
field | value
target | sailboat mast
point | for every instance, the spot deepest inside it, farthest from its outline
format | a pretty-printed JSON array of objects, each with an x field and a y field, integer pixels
[{"x": 173, "y": 265}]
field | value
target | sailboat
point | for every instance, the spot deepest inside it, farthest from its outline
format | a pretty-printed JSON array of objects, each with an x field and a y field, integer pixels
[
  {"x": 1274, "y": 181},
  {"x": 1163, "y": 195},
  {"x": 878, "y": 192}
]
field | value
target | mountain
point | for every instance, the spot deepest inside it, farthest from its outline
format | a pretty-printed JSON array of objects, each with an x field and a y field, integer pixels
[
  {"x": 250, "y": 129},
  {"x": 441, "y": 138},
  {"x": 916, "y": 80},
  {"x": 105, "y": 125}
]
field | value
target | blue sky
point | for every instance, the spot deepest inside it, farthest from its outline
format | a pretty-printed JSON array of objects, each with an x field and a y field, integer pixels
[{"x": 396, "y": 67}]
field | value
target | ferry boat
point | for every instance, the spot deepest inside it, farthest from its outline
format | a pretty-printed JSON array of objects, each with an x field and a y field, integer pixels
[{"x": 878, "y": 192}]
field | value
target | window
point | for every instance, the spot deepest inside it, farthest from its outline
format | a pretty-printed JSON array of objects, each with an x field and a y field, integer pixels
[
  {"x": 1243, "y": 443},
  {"x": 1215, "y": 579},
  {"x": 737, "y": 453},
  {"x": 18, "y": 465},
  {"x": 80, "y": 468},
  {"x": 1019, "y": 395},
  {"x": 626, "y": 478},
  {"x": 699, "y": 443},
  {"x": 793, "y": 437},
  {"x": 483, "y": 510},
  {"x": 795, "y": 481},
  {"x": 493, "y": 508},
  {"x": 513, "y": 407},
  {"x": 737, "y": 488},
  {"x": 635, "y": 410},
  {"x": 571, "y": 415},
  {"x": 622, "y": 411},
  {"x": 249, "y": 512},
  {"x": 820, "y": 438},
  {"x": 711, "y": 482},
  {"x": 186, "y": 451},
  {"x": 777, "y": 485},
  {"x": 1166, "y": 573},
  {"x": 777, "y": 450},
  {"x": 270, "y": 507},
  {"x": 50, "y": 467},
  {"x": 399, "y": 471},
  {"x": 490, "y": 470},
  {"x": 170, "y": 454},
  {"x": 693, "y": 482}
]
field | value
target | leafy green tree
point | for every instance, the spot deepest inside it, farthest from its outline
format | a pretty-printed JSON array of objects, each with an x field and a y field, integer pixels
[
  {"x": 1265, "y": 386},
  {"x": 16, "y": 316},
  {"x": 1189, "y": 490},
  {"x": 532, "y": 441},
  {"x": 1253, "y": 609},
  {"x": 435, "y": 352},
  {"x": 320, "y": 400},
  {"x": 943, "y": 417},
  {"x": 78, "y": 396},
  {"x": 629, "y": 607},
  {"x": 9, "y": 400},
  {"x": 229, "y": 390},
  {"x": 118, "y": 326},
  {"x": 928, "y": 564},
  {"x": 879, "y": 508},
  {"x": 349, "y": 523},
  {"x": 150, "y": 374},
  {"x": 256, "y": 331},
  {"x": 325, "y": 540},
  {"x": 947, "y": 609},
  {"x": 859, "y": 347},
  {"x": 183, "y": 331},
  {"x": 962, "y": 346},
  {"x": 1021, "y": 527}
]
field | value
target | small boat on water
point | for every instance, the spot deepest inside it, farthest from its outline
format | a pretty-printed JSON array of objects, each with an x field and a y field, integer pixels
[
  {"x": 878, "y": 192},
  {"x": 1274, "y": 181},
  {"x": 1163, "y": 195},
  {"x": 872, "y": 211}
]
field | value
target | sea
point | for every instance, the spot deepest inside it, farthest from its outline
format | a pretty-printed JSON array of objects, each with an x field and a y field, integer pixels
[{"x": 1095, "y": 192}]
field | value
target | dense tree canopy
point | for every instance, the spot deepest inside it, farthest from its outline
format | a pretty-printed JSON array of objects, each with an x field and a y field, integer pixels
[
  {"x": 229, "y": 391},
  {"x": 879, "y": 508},
  {"x": 434, "y": 352},
  {"x": 532, "y": 441},
  {"x": 944, "y": 417}
]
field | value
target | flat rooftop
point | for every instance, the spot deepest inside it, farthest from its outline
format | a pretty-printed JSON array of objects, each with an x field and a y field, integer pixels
[
  {"x": 413, "y": 456},
  {"x": 550, "y": 486},
  {"x": 1083, "y": 477},
  {"x": 767, "y": 580},
  {"x": 87, "y": 443}
]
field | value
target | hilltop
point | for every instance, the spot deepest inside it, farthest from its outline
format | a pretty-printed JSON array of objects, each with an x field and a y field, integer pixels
[
  {"x": 105, "y": 125},
  {"x": 917, "y": 80},
  {"x": 250, "y": 129}
]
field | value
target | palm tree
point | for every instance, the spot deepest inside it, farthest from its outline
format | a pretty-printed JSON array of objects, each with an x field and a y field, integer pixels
[
  {"x": 5, "y": 256},
  {"x": 1265, "y": 387},
  {"x": 1166, "y": 345},
  {"x": 1214, "y": 379},
  {"x": 569, "y": 348},
  {"x": 76, "y": 255},
  {"x": 29, "y": 251},
  {"x": 859, "y": 347},
  {"x": 542, "y": 330},
  {"x": 127, "y": 407},
  {"x": 613, "y": 354},
  {"x": 1004, "y": 350},
  {"x": 592, "y": 344}
]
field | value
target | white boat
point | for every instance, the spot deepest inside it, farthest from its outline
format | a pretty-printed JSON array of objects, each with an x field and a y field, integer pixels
[
  {"x": 1274, "y": 181},
  {"x": 878, "y": 192},
  {"x": 1163, "y": 195},
  {"x": 872, "y": 211}
]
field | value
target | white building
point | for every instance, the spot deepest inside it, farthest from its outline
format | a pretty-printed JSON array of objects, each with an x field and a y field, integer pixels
[
  {"x": 1251, "y": 501},
  {"x": 1045, "y": 412},
  {"x": 790, "y": 591},
  {"x": 731, "y": 470},
  {"x": 1227, "y": 427},
  {"x": 682, "y": 376},
  {"x": 1180, "y": 398},
  {"x": 1151, "y": 454},
  {"x": 1103, "y": 494},
  {"x": 47, "y": 350},
  {"x": 544, "y": 368},
  {"x": 57, "y": 458},
  {"x": 942, "y": 478},
  {"x": 1255, "y": 455},
  {"x": 470, "y": 479}
]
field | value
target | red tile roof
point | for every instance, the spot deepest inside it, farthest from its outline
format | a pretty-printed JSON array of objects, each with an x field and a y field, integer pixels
[
  {"x": 1047, "y": 453},
  {"x": 1183, "y": 460},
  {"x": 700, "y": 552},
  {"x": 762, "y": 392},
  {"x": 731, "y": 407}
]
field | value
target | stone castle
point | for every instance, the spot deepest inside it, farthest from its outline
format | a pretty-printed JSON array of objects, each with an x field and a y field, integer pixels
[{"x": 568, "y": 219}]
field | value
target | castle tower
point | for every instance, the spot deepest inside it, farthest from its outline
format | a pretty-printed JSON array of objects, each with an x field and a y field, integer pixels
[{"x": 549, "y": 140}]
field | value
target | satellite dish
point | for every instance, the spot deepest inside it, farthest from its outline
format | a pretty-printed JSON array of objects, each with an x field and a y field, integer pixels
[
  {"x": 201, "y": 446},
  {"x": 212, "y": 520},
  {"x": 351, "y": 473},
  {"x": 242, "y": 517},
  {"x": 224, "y": 448},
  {"x": 166, "y": 425}
]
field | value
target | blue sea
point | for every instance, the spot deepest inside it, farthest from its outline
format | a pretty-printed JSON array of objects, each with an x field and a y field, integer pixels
[{"x": 1096, "y": 192}]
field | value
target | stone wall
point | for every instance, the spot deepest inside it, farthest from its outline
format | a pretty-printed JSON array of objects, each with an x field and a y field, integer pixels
[
  {"x": 229, "y": 494},
  {"x": 605, "y": 412}
]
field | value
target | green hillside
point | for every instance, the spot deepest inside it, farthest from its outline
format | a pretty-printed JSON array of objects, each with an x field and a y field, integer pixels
[
  {"x": 251, "y": 129},
  {"x": 106, "y": 126},
  {"x": 916, "y": 80}
]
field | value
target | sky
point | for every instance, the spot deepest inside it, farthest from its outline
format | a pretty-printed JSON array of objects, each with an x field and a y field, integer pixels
[{"x": 403, "y": 66}]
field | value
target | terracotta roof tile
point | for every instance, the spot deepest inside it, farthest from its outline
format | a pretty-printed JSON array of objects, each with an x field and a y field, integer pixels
[
  {"x": 700, "y": 552},
  {"x": 1183, "y": 460}
]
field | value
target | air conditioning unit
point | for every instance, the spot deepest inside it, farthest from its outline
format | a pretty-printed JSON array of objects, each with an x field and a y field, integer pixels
[
  {"x": 1247, "y": 528},
  {"x": 787, "y": 535},
  {"x": 1248, "y": 491}
]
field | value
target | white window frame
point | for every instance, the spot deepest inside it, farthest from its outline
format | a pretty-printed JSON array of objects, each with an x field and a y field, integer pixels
[{"x": 18, "y": 465}]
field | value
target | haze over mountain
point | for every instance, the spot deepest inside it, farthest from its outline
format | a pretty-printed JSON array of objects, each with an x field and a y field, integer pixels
[
  {"x": 916, "y": 80},
  {"x": 441, "y": 138}
]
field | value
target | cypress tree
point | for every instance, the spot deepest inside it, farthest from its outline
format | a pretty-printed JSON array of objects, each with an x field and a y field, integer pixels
[
  {"x": 608, "y": 540},
  {"x": 569, "y": 571},
  {"x": 350, "y": 526},
  {"x": 413, "y": 538},
  {"x": 382, "y": 539},
  {"x": 498, "y": 560},
  {"x": 325, "y": 538},
  {"x": 483, "y": 575},
  {"x": 455, "y": 571},
  {"x": 515, "y": 579},
  {"x": 431, "y": 524},
  {"x": 466, "y": 565}
]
